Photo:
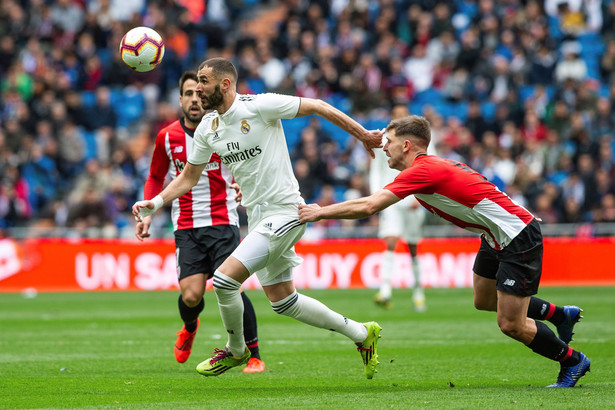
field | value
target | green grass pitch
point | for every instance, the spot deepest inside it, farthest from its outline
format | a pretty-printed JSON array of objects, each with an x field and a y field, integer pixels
[{"x": 115, "y": 350}]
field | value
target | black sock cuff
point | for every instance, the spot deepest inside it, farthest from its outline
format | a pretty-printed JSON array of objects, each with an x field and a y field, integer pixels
[{"x": 546, "y": 344}]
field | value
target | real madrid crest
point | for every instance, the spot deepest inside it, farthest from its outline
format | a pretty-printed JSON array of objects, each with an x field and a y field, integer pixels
[
  {"x": 245, "y": 127},
  {"x": 215, "y": 123}
]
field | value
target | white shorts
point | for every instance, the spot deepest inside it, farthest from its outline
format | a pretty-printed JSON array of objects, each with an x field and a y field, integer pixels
[
  {"x": 402, "y": 221},
  {"x": 269, "y": 248}
]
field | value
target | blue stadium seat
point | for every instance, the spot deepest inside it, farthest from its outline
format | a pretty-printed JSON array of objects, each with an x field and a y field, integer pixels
[
  {"x": 488, "y": 110},
  {"x": 605, "y": 90},
  {"x": 91, "y": 149},
  {"x": 525, "y": 92},
  {"x": 416, "y": 108},
  {"x": 88, "y": 98},
  {"x": 459, "y": 110},
  {"x": 429, "y": 96},
  {"x": 129, "y": 107}
]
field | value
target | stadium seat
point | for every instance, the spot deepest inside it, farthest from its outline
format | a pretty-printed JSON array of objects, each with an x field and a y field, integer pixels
[
  {"x": 488, "y": 110},
  {"x": 130, "y": 106},
  {"x": 91, "y": 148},
  {"x": 429, "y": 96},
  {"x": 88, "y": 98}
]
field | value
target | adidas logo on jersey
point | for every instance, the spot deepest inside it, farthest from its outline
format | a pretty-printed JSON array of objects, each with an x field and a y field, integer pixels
[
  {"x": 178, "y": 149},
  {"x": 216, "y": 137},
  {"x": 509, "y": 282},
  {"x": 267, "y": 225}
]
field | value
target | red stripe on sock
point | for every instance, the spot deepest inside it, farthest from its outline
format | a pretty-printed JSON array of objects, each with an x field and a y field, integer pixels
[
  {"x": 550, "y": 312},
  {"x": 253, "y": 345},
  {"x": 567, "y": 355}
]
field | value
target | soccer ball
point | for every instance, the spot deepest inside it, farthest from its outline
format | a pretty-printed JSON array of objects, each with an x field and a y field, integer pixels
[{"x": 142, "y": 49}]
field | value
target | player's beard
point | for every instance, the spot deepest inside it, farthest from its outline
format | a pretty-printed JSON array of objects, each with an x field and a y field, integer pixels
[
  {"x": 192, "y": 117},
  {"x": 214, "y": 100}
]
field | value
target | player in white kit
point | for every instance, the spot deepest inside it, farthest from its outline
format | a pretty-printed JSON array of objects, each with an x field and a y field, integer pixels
[
  {"x": 403, "y": 219},
  {"x": 246, "y": 132}
]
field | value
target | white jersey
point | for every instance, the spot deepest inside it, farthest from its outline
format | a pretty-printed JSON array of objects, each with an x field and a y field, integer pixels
[{"x": 250, "y": 141}]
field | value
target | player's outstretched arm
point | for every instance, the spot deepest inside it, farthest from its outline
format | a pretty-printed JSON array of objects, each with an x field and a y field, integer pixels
[
  {"x": 179, "y": 186},
  {"x": 370, "y": 139},
  {"x": 353, "y": 209}
]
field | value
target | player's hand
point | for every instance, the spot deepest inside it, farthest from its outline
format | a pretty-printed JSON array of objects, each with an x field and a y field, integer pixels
[
  {"x": 372, "y": 141},
  {"x": 141, "y": 209},
  {"x": 142, "y": 228},
  {"x": 237, "y": 189},
  {"x": 309, "y": 213}
]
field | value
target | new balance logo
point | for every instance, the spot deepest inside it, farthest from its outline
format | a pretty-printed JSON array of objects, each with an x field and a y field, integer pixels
[
  {"x": 543, "y": 309},
  {"x": 178, "y": 149},
  {"x": 509, "y": 282}
]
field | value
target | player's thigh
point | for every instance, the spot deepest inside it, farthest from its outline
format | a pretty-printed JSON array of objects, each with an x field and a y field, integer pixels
[
  {"x": 521, "y": 263},
  {"x": 485, "y": 269},
  {"x": 485, "y": 295},
  {"x": 191, "y": 259},
  {"x": 511, "y": 307},
  {"x": 192, "y": 287},
  {"x": 412, "y": 225},
  {"x": 223, "y": 240}
]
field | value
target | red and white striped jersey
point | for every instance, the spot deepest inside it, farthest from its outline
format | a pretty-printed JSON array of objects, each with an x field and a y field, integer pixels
[
  {"x": 211, "y": 201},
  {"x": 459, "y": 194}
]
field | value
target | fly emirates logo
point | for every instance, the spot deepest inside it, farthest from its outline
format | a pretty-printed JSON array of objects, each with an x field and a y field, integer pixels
[{"x": 236, "y": 154}]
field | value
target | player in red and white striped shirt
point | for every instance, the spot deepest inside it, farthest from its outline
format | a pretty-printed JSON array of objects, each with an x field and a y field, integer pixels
[
  {"x": 205, "y": 221},
  {"x": 509, "y": 262}
]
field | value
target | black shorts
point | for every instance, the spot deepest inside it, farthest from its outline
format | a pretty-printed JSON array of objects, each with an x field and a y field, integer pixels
[
  {"x": 202, "y": 250},
  {"x": 517, "y": 267}
]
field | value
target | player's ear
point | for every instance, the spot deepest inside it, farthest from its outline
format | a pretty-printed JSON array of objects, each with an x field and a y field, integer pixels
[
  {"x": 407, "y": 145},
  {"x": 226, "y": 83}
]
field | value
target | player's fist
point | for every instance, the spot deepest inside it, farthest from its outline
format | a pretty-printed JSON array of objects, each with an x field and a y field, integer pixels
[{"x": 309, "y": 213}]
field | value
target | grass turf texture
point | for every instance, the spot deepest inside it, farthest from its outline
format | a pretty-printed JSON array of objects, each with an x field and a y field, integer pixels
[{"x": 115, "y": 350}]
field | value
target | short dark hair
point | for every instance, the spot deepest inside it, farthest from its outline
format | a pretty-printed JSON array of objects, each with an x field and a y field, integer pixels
[
  {"x": 412, "y": 126},
  {"x": 188, "y": 75},
  {"x": 220, "y": 67}
]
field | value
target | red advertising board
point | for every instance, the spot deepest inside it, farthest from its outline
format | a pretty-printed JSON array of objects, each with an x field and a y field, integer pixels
[{"x": 97, "y": 265}]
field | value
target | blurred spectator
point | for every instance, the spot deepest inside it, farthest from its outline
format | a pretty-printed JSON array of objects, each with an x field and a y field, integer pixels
[
  {"x": 102, "y": 113},
  {"x": 572, "y": 66},
  {"x": 419, "y": 69}
]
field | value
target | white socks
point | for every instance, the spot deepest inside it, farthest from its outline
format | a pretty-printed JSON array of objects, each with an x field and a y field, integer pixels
[
  {"x": 416, "y": 270},
  {"x": 314, "y": 313},
  {"x": 231, "y": 311},
  {"x": 388, "y": 265}
]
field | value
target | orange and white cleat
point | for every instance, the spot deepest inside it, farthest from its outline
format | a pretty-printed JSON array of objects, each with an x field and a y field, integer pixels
[
  {"x": 183, "y": 344},
  {"x": 254, "y": 365}
]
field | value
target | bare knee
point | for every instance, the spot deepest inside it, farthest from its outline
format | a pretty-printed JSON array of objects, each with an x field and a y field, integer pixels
[
  {"x": 512, "y": 329},
  {"x": 192, "y": 297}
]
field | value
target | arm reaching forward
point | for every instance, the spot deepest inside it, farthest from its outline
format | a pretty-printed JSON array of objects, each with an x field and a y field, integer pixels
[
  {"x": 179, "y": 186},
  {"x": 370, "y": 139},
  {"x": 353, "y": 209}
]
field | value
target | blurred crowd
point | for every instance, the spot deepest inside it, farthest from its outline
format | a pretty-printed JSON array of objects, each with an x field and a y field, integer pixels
[{"x": 522, "y": 91}]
